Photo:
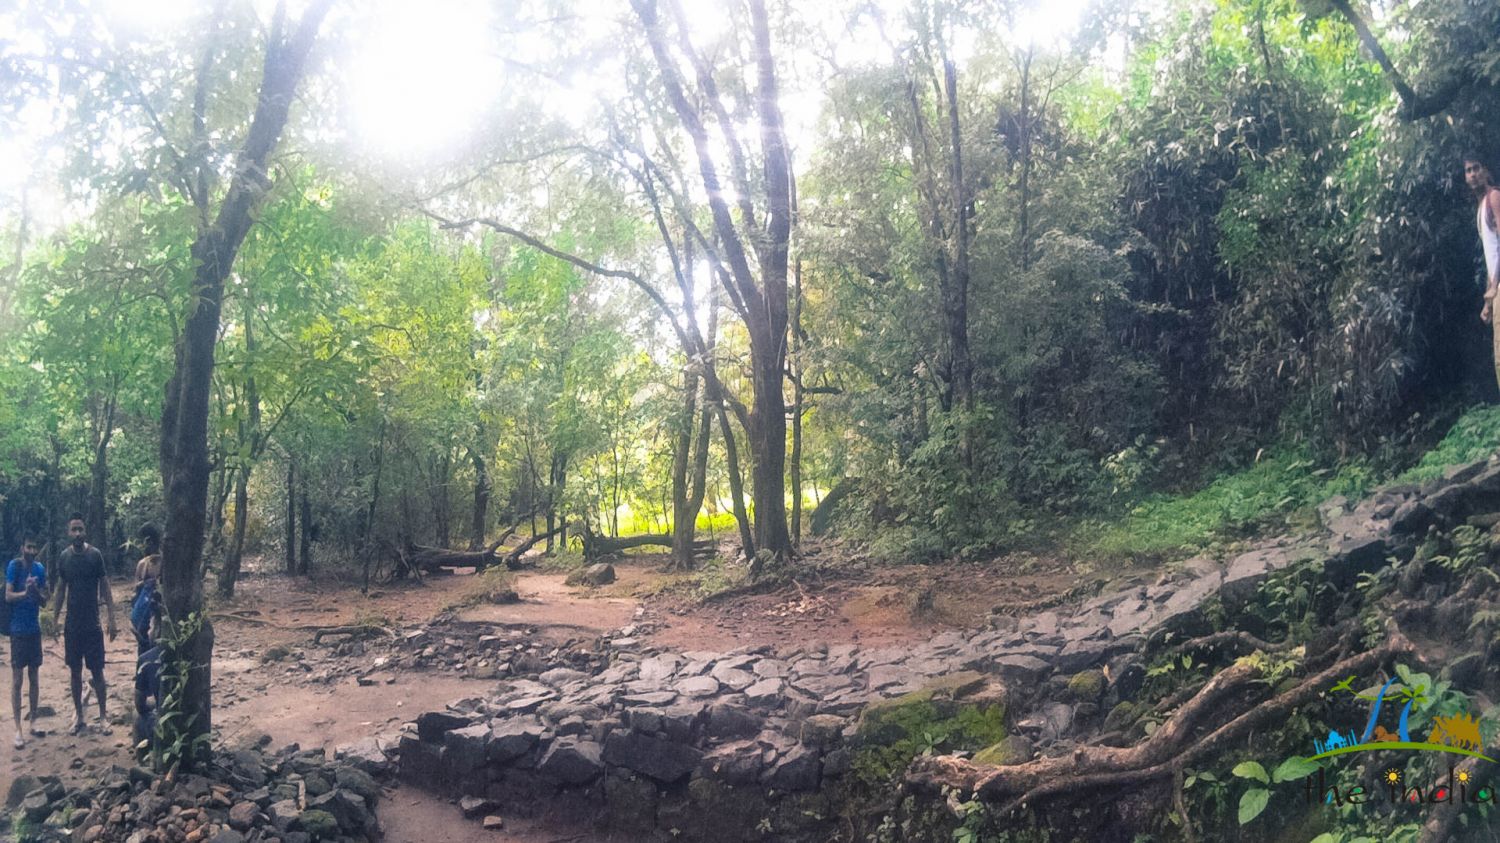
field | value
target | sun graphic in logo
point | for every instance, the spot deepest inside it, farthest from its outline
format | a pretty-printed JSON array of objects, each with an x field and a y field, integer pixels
[
  {"x": 1393, "y": 775},
  {"x": 1463, "y": 776}
]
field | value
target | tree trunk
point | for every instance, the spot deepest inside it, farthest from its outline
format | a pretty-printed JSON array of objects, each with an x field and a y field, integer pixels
[
  {"x": 184, "y": 443},
  {"x": 736, "y": 485},
  {"x": 291, "y": 516},
  {"x": 250, "y": 443},
  {"x": 799, "y": 394},
  {"x": 369, "y": 531},
  {"x": 762, "y": 303},
  {"x": 1023, "y": 186},
  {"x": 97, "y": 511},
  {"x": 956, "y": 302},
  {"x": 481, "y": 500},
  {"x": 682, "y": 443},
  {"x": 304, "y": 553},
  {"x": 230, "y": 573}
]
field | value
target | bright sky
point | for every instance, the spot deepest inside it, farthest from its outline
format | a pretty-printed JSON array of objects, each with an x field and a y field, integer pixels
[{"x": 421, "y": 74}]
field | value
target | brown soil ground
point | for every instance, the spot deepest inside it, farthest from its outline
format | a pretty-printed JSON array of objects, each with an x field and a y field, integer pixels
[{"x": 880, "y": 607}]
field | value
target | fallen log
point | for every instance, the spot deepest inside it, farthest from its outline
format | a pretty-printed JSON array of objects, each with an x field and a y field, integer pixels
[
  {"x": 1174, "y": 745},
  {"x": 363, "y": 630},
  {"x": 596, "y": 546}
]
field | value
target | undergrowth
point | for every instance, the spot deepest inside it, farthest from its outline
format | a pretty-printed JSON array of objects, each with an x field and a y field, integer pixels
[
  {"x": 1280, "y": 487},
  {"x": 1474, "y": 436}
]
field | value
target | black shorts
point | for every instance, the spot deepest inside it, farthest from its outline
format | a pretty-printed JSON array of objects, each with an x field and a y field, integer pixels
[
  {"x": 83, "y": 645},
  {"x": 25, "y": 651}
]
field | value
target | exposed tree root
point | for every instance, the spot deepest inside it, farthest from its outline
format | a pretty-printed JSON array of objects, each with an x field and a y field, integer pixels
[
  {"x": 1242, "y": 642},
  {"x": 1175, "y": 745}
]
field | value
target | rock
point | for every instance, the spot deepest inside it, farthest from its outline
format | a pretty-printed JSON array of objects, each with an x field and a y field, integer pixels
[
  {"x": 572, "y": 760},
  {"x": 1014, "y": 749},
  {"x": 822, "y": 730},
  {"x": 821, "y": 686},
  {"x": 350, "y": 810},
  {"x": 466, "y": 749},
  {"x": 243, "y": 815},
  {"x": 1121, "y": 717},
  {"x": 513, "y": 738},
  {"x": 731, "y": 721},
  {"x": 18, "y": 789},
  {"x": 358, "y": 781},
  {"x": 366, "y": 754},
  {"x": 1086, "y": 686},
  {"x": 594, "y": 575},
  {"x": 473, "y": 806},
  {"x": 318, "y": 823},
  {"x": 1049, "y": 723},
  {"x": 227, "y": 835},
  {"x": 421, "y": 762},
  {"x": 36, "y": 806},
  {"x": 560, "y": 676},
  {"x": 316, "y": 785},
  {"x": 432, "y": 725},
  {"x": 1019, "y": 667},
  {"x": 734, "y": 678},
  {"x": 737, "y": 763},
  {"x": 493, "y": 823},
  {"x": 658, "y": 669},
  {"x": 698, "y": 687},
  {"x": 631, "y": 802},
  {"x": 661, "y": 759},
  {"x": 766, "y": 692},
  {"x": 1080, "y": 654},
  {"x": 1466, "y": 671},
  {"x": 284, "y": 813},
  {"x": 798, "y": 769},
  {"x": 652, "y": 698}
]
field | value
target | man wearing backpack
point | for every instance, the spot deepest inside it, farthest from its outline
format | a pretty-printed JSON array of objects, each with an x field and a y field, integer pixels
[
  {"x": 25, "y": 594},
  {"x": 84, "y": 584}
]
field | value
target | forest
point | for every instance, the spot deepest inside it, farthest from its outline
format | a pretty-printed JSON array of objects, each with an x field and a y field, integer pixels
[{"x": 756, "y": 301}]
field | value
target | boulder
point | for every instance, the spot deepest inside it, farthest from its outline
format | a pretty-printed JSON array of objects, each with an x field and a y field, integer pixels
[
  {"x": 432, "y": 725},
  {"x": 596, "y": 575},
  {"x": 798, "y": 769},
  {"x": 572, "y": 761},
  {"x": 661, "y": 759}
]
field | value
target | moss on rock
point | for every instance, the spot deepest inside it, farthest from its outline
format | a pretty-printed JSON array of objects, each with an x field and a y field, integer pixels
[{"x": 1086, "y": 686}]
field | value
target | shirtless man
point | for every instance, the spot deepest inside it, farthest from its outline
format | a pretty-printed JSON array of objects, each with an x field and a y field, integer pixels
[{"x": 1487, "y": 196}]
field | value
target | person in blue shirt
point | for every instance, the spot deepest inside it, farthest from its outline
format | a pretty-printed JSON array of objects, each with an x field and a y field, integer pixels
[{"x": 26, "y": 592}]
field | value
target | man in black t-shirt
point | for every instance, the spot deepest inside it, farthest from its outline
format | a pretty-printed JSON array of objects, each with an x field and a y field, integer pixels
[{"x": 83, "y": 584}]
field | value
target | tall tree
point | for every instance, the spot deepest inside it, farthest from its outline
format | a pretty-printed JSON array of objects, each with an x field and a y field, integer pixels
[
  {"x": 758, "y": 291},
  {"x": 184, "y": 431}
]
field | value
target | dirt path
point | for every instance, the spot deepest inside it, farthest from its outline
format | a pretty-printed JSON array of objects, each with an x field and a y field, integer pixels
[{"x": 312, "y": 701}]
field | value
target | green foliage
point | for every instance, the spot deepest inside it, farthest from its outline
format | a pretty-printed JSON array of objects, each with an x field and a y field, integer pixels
[
  {"x": 1470, "y": 547},
  {"x": 1474, "y": 436},
  {"x": 917, "y": 728},
  {"x": 174, "y": 744},
  {"x": 1276, "y": 487}
]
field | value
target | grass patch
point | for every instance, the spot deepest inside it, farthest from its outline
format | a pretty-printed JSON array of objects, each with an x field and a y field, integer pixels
[
  {"x": 1475, "y": 436},
  {"x": 916, "y": 725},
  {"x": 1276, "y": 489},
  {"x": 494, "y": 585},
  {"x": 561, "y": 561}
]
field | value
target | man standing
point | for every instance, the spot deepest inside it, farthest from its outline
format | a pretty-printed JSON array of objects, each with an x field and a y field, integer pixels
[
  {"x": 1480, "y": 180},
  {"x": 145, "y": 603},
  {"x": 82, "y": 582},
  {"x": 26, "y": 592}
]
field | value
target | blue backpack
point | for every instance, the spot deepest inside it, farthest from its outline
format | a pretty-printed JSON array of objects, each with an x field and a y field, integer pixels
[{"x": 140, "y": 610}]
